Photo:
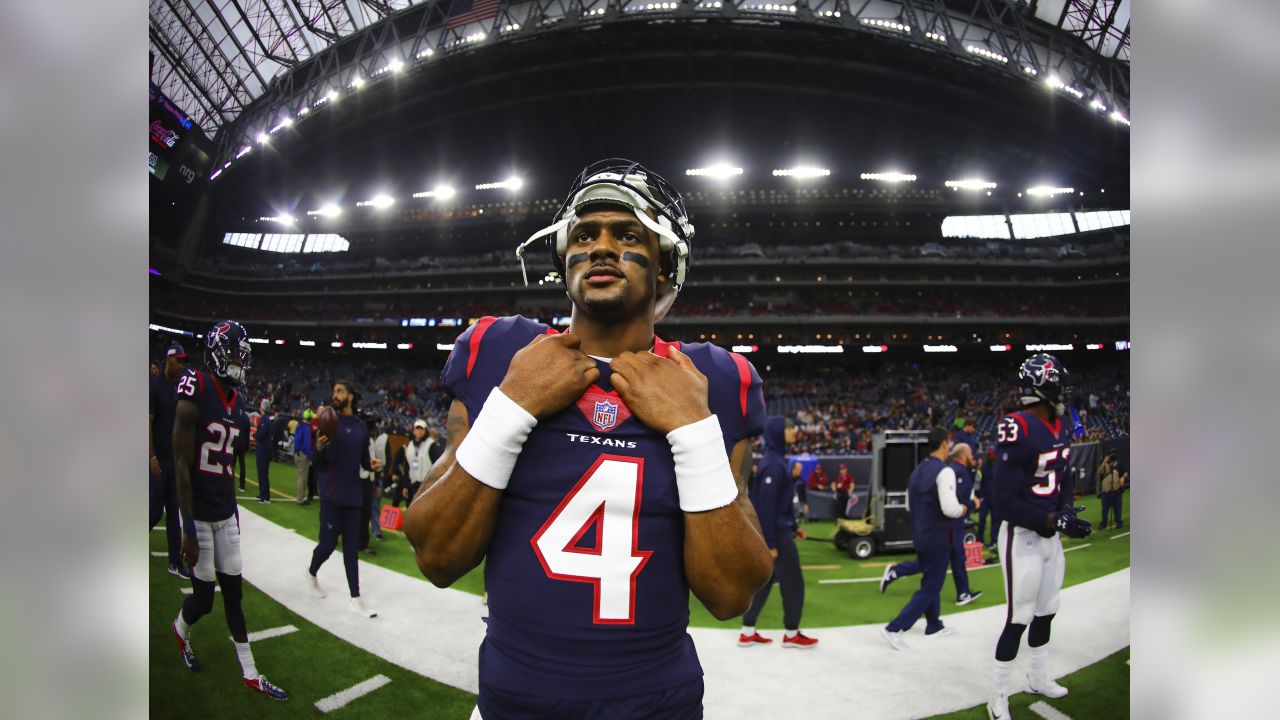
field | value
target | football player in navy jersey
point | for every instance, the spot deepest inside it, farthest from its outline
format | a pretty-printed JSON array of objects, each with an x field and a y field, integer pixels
[
  {"x": 600, "y": 473},
  {"x": 205, "y": 435},
  {"x": 1035, "y": 492}
]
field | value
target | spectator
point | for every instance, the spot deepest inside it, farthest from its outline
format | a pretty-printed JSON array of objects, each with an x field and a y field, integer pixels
[
  {"x": 266, "y": 448},
  {"x": 1111, "y": 490},
  {"x": 818, "y": 479},
  {"x": 844, "y": 486},
  {"x": 303, "y": 453}
]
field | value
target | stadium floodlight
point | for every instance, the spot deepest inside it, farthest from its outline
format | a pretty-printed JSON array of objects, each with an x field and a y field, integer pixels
[
  {"x": 886, "y": 24},
  {"x": 941, "y": 348},
  {"x": 332, "y": 96},
  {"x": 1056, "y": 83},
  {"x": 302, "y": 111},
  {"x": 875, "y": 348},
  {"x": 404, "y": 346},
  {"x": 1117, "y": 117},
  {"x": 720, "y": 171},
  {"x": 425, "y": 53},
  {"x": 1097, "y": 104},
  {"x": 215, "y": 174},
  {"x": 329, "y": 210},
  {"x": 1030, "y": 70},
  {"x": 287, "y": 122},
  {"x": 378, "y": 201},
  {"x": 441, "y": 192},
  {"x": 357, "y": 83},
  {"x": 162, "y": 328},
  {"x": 395, "y": 66},
  {"x": 970, "y": 184},
  {"x": 244, "y": 151},
  {"x": 282, "y": 219},
  {"x": 936, "y": 37},
  {"x": 802, "y": 172},
  {"x": 986, "y": 54},
  {"x": 262, "y": 138},
  {"x": 512, "y": 183},
  {"x": 447, "y": 347},
  {"x": 1047, "y": 191},
  {"x": 892, "y": 177},
  {"x": 307, "y": 343}
]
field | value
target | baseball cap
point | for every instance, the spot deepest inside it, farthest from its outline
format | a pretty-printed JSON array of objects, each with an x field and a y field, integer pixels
[
  {"x": 175, "y": 350},
  {"x": 420, "y": 423}
]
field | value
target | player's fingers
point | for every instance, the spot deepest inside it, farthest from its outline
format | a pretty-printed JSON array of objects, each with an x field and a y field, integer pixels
[
  {"x": 680, "y": 358},
  {"x": 567, "y": 339},
  {"x": 592, "y": 374},
  {"x": 620, "y": 383}
]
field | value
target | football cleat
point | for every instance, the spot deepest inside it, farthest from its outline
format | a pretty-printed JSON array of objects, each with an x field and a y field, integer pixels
[
  {"x": 752, "y": 640},
  {"x": 799, "y": 641},
  {"x": 188, "y": 653},
  {"x": 889, "y": 576},
  {"x": 894, "y": 638},
  {"x": 1045, "y": 687},
  {"x": 968, "y": 597},
  {"x": 998, "y": 707},
  {"x": 260, "y": 684},
  {"x": 942, "y": 632},
  {"x": 179, "y": 571},
  {"x": 357, "y": 606},
  {"x": 313, "y": 586}
]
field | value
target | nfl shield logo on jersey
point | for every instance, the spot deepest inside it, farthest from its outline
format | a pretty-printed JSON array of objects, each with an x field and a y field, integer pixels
[{"x": 605, "y": 415}]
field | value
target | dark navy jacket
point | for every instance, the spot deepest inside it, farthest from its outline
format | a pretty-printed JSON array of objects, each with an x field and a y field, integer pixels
[
  {"x": 262, "y": 437},
  {"x": 929, "y": 527},
  {"x": 302, "y": 440},
  {"x": 162, "y": 404},
  {"x": 964, "y": 484},
  {"x": 338, "y": 465},
  {"x": 772, "y": 492}
]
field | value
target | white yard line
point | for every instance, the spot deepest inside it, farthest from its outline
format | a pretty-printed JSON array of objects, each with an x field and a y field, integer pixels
[
  {"x": 155, "y": 553},
  {"x": 839, "y": 581},
  {"x": 1047, "y": 711},
  {"x": 188, "y": 591},
  {"x": 269, "y": 633},
  {"x": 1077, "y": 547},
  {"x": 158, "y": 528},
  {"x": 340, "y": 699},
  {"x": 437, "y": 633},
  {"x": 1123, "y": 534}
]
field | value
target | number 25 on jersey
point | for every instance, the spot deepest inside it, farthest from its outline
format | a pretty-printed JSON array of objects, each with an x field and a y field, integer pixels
[{"x": 608, "y": 498}]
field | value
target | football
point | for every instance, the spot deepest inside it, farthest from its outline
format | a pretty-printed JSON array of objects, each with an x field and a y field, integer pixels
[{"x": 327, "y": 422}]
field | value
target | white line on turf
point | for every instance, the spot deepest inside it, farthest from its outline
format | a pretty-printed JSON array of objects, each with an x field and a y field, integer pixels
[
  {"x": 269, "y": 633},
  {"x": 159, "y": 554},
  {"x": 1048, "y": 712},
  {"x": 187, "y": 590},
  {"x": 1077, "y": 547},
  {"x": 838, "y": 581},
  {"x": 337, "y": 700},
  {"x": 158, "y": 528},
  {"x": 1117, "y": 537}
]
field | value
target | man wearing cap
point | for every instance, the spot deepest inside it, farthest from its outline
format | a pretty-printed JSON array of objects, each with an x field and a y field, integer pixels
[
  {"x": 303, "y": 451},
  {"x": 265, "y": 438},
  {"x": 417, "y": 462},
  {"x": 162, "y": 403}
]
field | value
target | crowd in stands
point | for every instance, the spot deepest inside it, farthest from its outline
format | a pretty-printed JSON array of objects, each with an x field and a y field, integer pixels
[{"x": 834, "y": 410}]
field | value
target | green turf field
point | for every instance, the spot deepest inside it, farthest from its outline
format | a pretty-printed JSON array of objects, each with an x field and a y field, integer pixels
[
  {"x": 1098, "y": 692},
  {"x": 826, "y": 605}
]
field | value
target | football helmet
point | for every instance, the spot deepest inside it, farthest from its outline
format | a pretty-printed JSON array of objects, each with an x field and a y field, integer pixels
[
  {"x": 1043, "y": 378},
  {"x": 629, "y": 185},
  {"x": 225, "y": 342}
]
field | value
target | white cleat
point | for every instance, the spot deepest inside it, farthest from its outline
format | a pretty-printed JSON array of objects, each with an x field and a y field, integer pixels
[
  {"x": 357, "y": 606},
  {"x": 313, "y": 586},
  {"x": 894, "y": 639},
  {"x": 1045, "y": 687},
  {"x": 889, "y": 576},
  {"x": 945, "y": 631},
  {"x": 998, "y": 707}
]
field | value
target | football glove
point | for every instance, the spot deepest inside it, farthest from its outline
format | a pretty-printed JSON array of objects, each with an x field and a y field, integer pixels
[{"x": 1067, "y": 523}]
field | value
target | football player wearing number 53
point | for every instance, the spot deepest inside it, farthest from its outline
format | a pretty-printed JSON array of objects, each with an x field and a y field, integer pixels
[
  {"x": 206, "y": 429},
  {"x": 599, "y": 472},
  {"x": 1035, "y": 489}
]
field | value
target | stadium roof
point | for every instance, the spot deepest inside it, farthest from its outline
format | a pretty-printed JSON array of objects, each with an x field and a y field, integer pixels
[{"x": 215, "y": 58}]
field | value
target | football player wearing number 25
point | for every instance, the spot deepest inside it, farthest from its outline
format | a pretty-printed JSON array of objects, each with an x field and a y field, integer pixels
[
  {"x": 1035, "y": 490},
  {"x": 600, "y": 473},
  {"x": 206, "y": 427}
]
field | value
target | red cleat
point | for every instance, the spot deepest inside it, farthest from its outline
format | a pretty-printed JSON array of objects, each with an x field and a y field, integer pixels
[
  {"x": 753, "y": 639},
  {"x": 799, "y": 641}
]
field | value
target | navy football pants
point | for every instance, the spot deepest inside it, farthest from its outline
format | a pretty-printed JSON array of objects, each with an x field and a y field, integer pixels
[
  {"x": 682, "y": 702},
  {"x": 959, "y": 573},
  {"x": 344, "y": 521},
  {"x": 264, "y": 473},
  {"x": 164, "y": 501},
  {"x": 927, "y": 600}
]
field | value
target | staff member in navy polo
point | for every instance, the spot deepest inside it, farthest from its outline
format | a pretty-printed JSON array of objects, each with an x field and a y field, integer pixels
[
  {"x": 931, "y": 499},
  {"x": 960, "y": 461},
  {"x": 338, "y": 461},
  {"x": 162, "y": 403},
  {"x": 264, "y": 438}
]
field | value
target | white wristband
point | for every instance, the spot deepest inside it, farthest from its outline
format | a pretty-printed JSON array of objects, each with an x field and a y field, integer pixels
[
  {"x": 703, "y": 478},
  {"x": 489, "y": 451}
]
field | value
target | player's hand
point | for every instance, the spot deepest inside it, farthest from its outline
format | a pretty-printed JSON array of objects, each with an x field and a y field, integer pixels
[
  {"x": 773, "y": 553},
  {"x": 322, "y": 441},
  {"x": 664, "y": 393},
  {"x": 154, "y": 466},
  {"x": 190, "y": 550},
  {"x": 1067, "y": 523},
  {"x": 801, "y": 534},
  {"x": 548, "y": 374},
  {"x": 375, "y": 464}
]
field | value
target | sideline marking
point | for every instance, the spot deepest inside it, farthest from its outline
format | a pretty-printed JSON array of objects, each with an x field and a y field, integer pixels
[
  {"x": 158, "y": 528},
  {"x": 187, "y": 590},
  {"x": 1077, "y": 547},
  {"x": 340, "y": 699},
  {"x": 1048, "y": 712},
  {"x": 876, "y": 579},
  {"x": 270, "y": 633},
  {"x": 819, "y": 567},
  {"x": 1123, "y": 534},
  {"x": 159, "y": 554}
]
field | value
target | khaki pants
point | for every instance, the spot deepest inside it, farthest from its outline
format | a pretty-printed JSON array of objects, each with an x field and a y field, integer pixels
[{"x": 303, "y": 464}]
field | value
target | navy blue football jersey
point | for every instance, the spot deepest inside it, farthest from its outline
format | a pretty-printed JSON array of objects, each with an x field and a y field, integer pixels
[
  {"x": 585, "y": 571},
  {"x": 217, "y": 434},
  {"x": 1031, "y": 469}
]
